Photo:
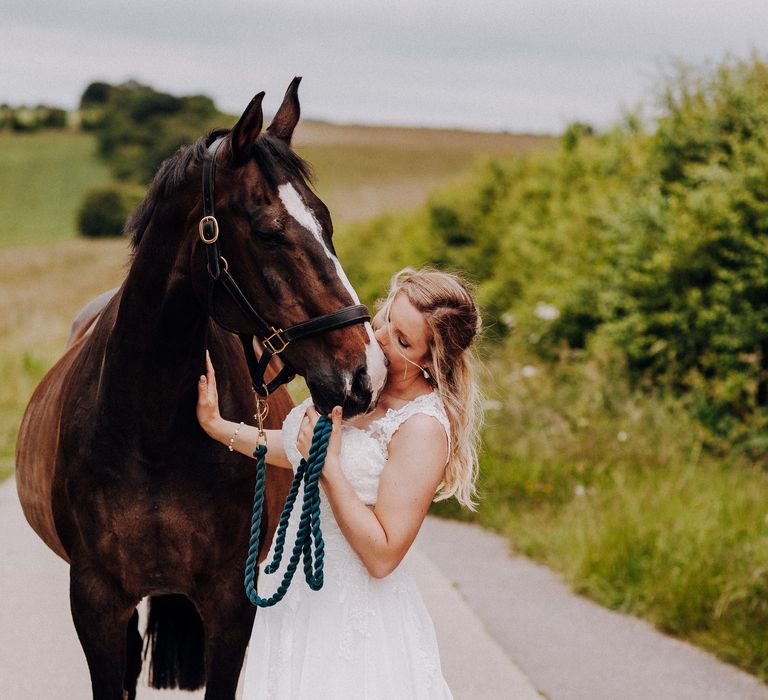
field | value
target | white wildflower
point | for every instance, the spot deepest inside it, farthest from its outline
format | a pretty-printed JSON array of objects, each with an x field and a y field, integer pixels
[
  {"x": 529, "y": 371},
  {"x": 622, "y": 436},
  {"x": 492, "y": 405},
  {"x": 579, "y": 490},
  {"x": 546, "y": 312},
  {"x": 509, "y": 320}
]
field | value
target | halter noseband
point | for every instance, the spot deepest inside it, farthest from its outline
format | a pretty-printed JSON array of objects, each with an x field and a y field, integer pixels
[{"x": 274, "y": 340}]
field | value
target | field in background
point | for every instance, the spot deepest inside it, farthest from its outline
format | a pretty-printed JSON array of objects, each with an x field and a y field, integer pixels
[
  {"x": 42, "y": 180},
  {"x": 360, "y": 171},
  {"x": 42, "y": 286},
  {"x": 363, "y": 170},
  {"x": 47, "y": 274}
]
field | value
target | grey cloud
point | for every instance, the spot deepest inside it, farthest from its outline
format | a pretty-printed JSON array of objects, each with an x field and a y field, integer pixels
[{"x": 515, "y": 65}]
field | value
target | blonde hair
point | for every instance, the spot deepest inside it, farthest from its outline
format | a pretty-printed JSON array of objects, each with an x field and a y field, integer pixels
[{"x": 453, "y": 319}]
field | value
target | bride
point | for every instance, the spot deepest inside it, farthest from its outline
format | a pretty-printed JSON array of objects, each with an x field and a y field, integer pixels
[{"x": 366, "y": 634}]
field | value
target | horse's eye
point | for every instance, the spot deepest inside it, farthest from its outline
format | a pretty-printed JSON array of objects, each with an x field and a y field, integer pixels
[
  {"x": 269, "y": 234},
  {"x": 270, "y": 229}
]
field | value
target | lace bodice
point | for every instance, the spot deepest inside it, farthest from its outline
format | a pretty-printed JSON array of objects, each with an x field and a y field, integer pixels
[{"x": 364, "y": 452}]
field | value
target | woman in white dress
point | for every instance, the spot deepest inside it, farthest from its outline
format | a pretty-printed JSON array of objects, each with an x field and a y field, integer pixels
[{"x": 366, "y": 634}]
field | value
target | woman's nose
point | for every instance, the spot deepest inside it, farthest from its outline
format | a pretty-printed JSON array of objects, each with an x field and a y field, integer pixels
[{"x": 380, "y": 335}]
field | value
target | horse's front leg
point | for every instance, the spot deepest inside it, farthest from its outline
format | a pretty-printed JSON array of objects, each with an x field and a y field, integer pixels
[
  {"x": 101, "y": 613},
  {"x": 227, "y": 618}
]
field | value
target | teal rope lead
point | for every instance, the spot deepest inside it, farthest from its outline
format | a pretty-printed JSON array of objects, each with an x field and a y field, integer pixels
[{"x": 308, "y": 533}]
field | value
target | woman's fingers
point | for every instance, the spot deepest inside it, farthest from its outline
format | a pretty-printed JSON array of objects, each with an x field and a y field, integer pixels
[
  {"x": 210, "y": 376},
  {"x": 207, "y": 395},
  {"x": 312, "y": 415},
  {"x": 334, "y": 443}
]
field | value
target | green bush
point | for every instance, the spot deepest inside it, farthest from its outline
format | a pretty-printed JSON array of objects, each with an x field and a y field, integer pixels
[
  {"x": 30, "y": 119},
  {"x": 105, "y": 209},
  {"x": 656, "y": 242},
  {"x": 138, "y": 127}
]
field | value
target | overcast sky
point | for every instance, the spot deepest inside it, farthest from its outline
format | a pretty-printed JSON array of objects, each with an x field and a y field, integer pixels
[{"x": 521, "y": 66}]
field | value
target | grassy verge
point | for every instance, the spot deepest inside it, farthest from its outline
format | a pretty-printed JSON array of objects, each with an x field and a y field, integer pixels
[
  {"x": 43, "y": 177},
  {"x": 614, "y": 490},
  {"x": 43, "y": 287}
]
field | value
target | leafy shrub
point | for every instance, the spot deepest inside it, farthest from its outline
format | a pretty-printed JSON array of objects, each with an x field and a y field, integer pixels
[
  {"x": 105, "y": 209},
  {"x": 656, "y": 243},
  {"x": 138, "y": 127},
  {"x": 30, "y": 119}
]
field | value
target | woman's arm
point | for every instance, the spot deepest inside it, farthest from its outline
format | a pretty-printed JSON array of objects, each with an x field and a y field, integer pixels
[
  {"x": 381, "y": 537},
  {"x": 222, "y": 430}
]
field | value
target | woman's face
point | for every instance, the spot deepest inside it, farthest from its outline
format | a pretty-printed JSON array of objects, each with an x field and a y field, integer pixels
[{"x": 403, "y": 337}]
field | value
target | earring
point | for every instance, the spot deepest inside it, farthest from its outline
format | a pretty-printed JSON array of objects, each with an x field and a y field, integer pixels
[{"x": 425, "y": 372}]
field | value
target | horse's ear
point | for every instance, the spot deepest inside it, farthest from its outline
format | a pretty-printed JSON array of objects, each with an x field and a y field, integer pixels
[
  {"x": 248, "y": 128},
  {"x": 287, "y": 116}
]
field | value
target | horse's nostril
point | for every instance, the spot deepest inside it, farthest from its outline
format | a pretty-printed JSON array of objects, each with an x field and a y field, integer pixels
[{"x": 361, "y": 382}]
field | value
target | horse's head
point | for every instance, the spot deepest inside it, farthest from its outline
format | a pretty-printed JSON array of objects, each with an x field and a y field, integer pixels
[{"x": 276, "y": 239}]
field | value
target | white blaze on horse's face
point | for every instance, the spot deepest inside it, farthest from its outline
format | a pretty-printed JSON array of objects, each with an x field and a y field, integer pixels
[{"x": 374, "y": 355}]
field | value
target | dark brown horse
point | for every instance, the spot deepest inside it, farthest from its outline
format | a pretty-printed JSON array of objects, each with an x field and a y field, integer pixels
[{"x": 113, "y": 471}]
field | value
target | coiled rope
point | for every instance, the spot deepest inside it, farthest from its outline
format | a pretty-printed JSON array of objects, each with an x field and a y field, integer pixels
[{"x": 309, "y": 538}]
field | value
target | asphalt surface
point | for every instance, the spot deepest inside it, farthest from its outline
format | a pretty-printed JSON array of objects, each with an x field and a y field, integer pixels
[
  {"x": 40, "y": 656},
  {"x": 569, "y": 647},
  {"x": 507, "y": 628}
]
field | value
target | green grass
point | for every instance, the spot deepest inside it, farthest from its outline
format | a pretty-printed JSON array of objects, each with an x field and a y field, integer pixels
[
  {"x": 356, "y": 180},
  {"x": 43, "y": 177},
  {"x": 43, "y": 286},
  {"x": 614, "y": 489},
  {"x": 360, "y": 172}
]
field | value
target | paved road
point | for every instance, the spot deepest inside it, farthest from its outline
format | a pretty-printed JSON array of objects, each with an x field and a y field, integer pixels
[
  {"x": 40, "y": 656},
  {"x": 569, "y": 647},
  {"x": 507, "y": 628}
]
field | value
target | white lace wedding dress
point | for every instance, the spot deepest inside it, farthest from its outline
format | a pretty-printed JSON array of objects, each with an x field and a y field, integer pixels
[{"x": 358, "y": 637}]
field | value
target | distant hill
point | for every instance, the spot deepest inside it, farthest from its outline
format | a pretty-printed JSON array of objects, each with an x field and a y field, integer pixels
[
  {"x": 361, "y": 171},
  {"x": 364, "y": 170}
]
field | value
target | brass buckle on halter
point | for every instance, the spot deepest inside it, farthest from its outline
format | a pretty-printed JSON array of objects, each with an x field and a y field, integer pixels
[
  {"x": 262, "y": 411},
  {"x": 201, "y": 228},
  {"x": 276, "y": 334}
]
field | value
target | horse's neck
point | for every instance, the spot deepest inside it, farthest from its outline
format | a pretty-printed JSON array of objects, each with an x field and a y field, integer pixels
[{"x": 155, "y": 351}]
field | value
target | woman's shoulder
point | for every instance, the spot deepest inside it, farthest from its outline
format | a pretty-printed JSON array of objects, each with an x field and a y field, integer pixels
[
  {"x": 428, "y": 404},
  {"x": 423, "y": 418}
]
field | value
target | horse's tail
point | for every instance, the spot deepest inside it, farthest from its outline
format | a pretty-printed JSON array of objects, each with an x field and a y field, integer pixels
[{"x": 175, "y": 643}]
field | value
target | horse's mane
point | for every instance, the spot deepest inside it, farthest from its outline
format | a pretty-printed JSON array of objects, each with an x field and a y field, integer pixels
[{"x": 273, "y": 156}]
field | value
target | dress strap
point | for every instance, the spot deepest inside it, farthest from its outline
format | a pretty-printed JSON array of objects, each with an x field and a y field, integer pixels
[{"x": 429, "y": 404}]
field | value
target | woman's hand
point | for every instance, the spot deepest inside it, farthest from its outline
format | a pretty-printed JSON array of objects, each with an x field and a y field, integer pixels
[
  {"x": 307, "y": 430},
  {"x": 208, "y": 399}
]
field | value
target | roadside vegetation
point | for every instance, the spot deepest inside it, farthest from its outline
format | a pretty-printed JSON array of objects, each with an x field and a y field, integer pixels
[{"x": 623, "y": 280}]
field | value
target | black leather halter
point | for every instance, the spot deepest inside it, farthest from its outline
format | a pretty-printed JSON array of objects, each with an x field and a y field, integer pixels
[{"x": 274, "y": 340}]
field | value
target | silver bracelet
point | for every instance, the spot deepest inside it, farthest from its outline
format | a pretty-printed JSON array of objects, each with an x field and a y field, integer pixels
[{"x": 234, "y": 435}]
